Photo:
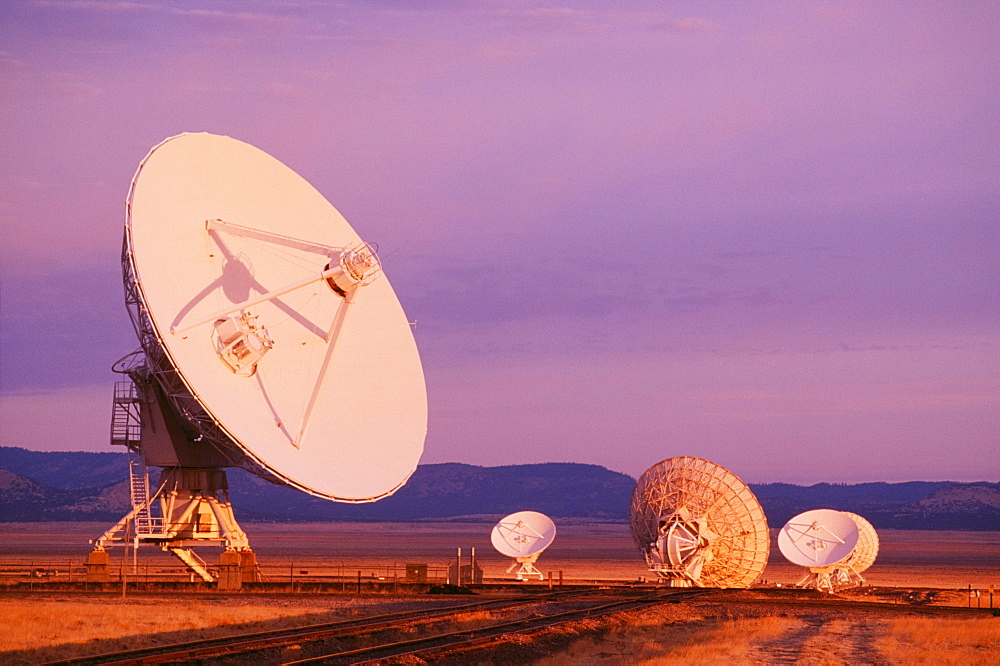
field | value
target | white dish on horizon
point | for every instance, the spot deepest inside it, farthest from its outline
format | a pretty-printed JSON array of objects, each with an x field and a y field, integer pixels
[
  {"x": 818, "y": 538},
  {"x": 523, "y": 534}
]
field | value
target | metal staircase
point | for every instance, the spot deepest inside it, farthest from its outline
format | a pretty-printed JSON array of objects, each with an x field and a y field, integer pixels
[
  {"x": 171, "y": 515},
  {"x": 126, "y": 425},
  {"x": 197, "y": 565},
  {"x": 126, "y": 430},
  {"x": 146, "y": 524}
]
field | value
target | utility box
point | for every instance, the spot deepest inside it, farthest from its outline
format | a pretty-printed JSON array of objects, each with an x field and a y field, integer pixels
[
  {"x": 464, "y": 574},
  {"x": 416, "y": 573}
]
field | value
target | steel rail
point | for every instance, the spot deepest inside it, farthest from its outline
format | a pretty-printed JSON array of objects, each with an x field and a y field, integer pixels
[
  {"x": 277, "y": 637},
  {"x": 472, "y": 638}
]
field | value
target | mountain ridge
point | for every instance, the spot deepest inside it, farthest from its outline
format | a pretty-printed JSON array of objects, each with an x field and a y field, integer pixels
[{"x": 51, "y": 486}]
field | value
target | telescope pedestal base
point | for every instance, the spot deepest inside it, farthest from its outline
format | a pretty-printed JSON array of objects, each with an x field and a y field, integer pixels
[
  {"x": 525, "y": 567},
  {"x": 194, "y": 509}
]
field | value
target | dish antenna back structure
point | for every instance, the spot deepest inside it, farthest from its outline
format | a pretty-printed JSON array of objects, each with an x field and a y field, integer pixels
[
  {"x": 270, "y": 341},
  {"x": 697, "y": 524},
  {"x": 523, "y": 536},
  {"x": 836, "y": 547},
  {"x": 862, "y": 557}
]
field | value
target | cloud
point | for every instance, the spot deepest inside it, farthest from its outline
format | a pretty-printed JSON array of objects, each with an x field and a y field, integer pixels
[
  {"x": 288, "y": 90},
  {"x": 97, "y": 6},
  {"x": 237, "y": 19},
  {"x": 690, "y": 24},
  {"x": 10, "y": 62},
  {"x": 69, "y": 419}
]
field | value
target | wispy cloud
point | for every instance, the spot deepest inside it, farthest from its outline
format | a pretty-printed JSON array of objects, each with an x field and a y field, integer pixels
[
  {"x": 238, "y": 19},
  {"x": 691, "y": 24},
  {"x": 98, "y": 6},
  {"x": 69, "y": 419}
]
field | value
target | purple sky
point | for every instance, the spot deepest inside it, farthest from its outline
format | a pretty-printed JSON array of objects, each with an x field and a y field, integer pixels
[{"x": 766, "y": 234}]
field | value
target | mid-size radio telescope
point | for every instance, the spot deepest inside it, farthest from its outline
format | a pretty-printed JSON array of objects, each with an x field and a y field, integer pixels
[
  {"x": 698, "y": 524},
  {"x": 270, "y": 341},
  {"x": 862, "y": 557},
  {"x": 523, "y": 536},
  {"x": 836, "y": 547}
]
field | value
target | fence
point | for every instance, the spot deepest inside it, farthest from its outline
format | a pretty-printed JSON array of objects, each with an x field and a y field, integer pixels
[{"x": 346, "y": 575}]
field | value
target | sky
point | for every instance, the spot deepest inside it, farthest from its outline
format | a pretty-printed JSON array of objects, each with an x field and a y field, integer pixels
[{"x": 764, "y": 234}]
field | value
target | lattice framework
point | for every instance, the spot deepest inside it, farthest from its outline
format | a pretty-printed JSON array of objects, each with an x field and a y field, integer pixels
[{"x": 704, "y": 491}]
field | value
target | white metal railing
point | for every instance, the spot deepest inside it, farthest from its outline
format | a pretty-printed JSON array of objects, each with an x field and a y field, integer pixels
[
  {"x": 126, "y": 426},
  {"x": 146, "y": 523}
]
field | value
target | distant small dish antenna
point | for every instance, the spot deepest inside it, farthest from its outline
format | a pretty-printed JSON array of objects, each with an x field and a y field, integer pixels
[
  {"x": 697, "y": 524},
  {"x": 862, "y": 557},
  {"x": 270, "y": 341},
  {"x": 523, "y": 536},
  {"x": 820, "y": 540}
]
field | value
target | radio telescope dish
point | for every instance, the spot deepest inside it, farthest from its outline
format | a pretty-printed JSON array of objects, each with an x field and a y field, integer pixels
[
  {"x": 268, "y": 317},
  {"x": 820, "y": 540},
  {"x": 270, "y": 339},
  {"x": 863, "y": 556},
  {"x": 523, "y": 536},
  {"x": 848, "y": 571},
  {"x": 698, "y": 524}
]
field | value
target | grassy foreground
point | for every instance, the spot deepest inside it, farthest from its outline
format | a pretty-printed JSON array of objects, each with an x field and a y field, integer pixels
[
  {"x": 805, "y": 637},
  {"x": 732, "y": 628}
]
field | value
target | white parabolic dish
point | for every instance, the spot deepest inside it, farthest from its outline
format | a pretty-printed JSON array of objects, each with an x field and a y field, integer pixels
[
  {"x": 818, "y": 538},
  {"x": 864, "y": 554},
  {"x": 523, "y": 534},
  {"x": 362, "y": 394}
]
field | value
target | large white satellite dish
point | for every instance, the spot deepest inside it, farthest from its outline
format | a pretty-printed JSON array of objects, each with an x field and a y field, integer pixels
[
  {"x": 523, "y": 536},
  {"x": 698, "y": 524},
  {"x": 818, "y": 540},
  {"x": 270, "y": 339},
  {"x": 836, "y": 547}
]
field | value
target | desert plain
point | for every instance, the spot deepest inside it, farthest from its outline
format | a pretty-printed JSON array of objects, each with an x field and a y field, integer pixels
[{"x": 916, "y": 598}]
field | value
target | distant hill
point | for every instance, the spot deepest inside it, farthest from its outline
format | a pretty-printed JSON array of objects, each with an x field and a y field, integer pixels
[
  {"x": 37, "y": 486},
  {"x": 453, "y": 490},
  {"x": 70, "y": 470}
]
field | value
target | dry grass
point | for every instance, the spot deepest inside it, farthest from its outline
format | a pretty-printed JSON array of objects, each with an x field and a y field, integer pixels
[
  {"x": 49, "y": 629},
  {"x": 729, "y": 642},
  {"x": 942, "y": 641},
  {"x": 651, "y": 638},
  {"x": 747, "y": 636}
]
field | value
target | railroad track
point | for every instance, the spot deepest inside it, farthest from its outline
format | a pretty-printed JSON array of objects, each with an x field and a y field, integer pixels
[
  {"x": 468, "y": 641},
  {"x": 344, "y": 641},
  {"x": 220, "y": 649}
]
